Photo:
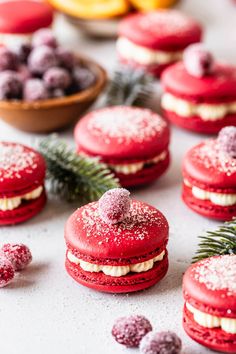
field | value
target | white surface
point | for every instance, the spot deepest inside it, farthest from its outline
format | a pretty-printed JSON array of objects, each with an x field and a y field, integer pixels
[{"x": 44, "y": 310}]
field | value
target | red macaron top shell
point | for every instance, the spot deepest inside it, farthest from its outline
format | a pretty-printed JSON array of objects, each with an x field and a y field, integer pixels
[
  {"x": 122, "y": 133},
  {"x": 167, "y": 30},
  {"x": 21, "y": 169},
  {"x": 209, "y": 167},
  {"x": 220, "y": 86},
  {"x": 212, "y": 283},
  {"x": 21, "y": 17},
  {"x": 144, "y": 230}
]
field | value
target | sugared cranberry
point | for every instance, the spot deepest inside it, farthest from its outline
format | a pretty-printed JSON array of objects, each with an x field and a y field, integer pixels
[
  {"x": 7, "y": 272},
  {"x": 41, "y": 59},
  {"x": 8, "y": 60},
  {"x": 10, "y": 85},
  {"x": 114, "y": 205},
  {"x": 160, "y": 343},
  {"x": 44, "y": 36},
  {"x": 227, "y": 141},
  {"x": 197, "y": 60},
  {"x": 129, "y": 331},
  {"x": 65, "y": 58},
  {"x": 18, "y": 254},
  {"x": 84, "y": 78},
  {"x": 55, "y": 78},
  {"x": 35, "y": 90}
]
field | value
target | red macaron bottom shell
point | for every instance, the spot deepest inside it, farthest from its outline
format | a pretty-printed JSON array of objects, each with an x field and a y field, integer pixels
[
  {"x": 125, "y": 284},
  {"x": 196, "y": 124},
  {"x": 213, "y": 338},
  {"x": 24, "y": 212},
  {"x": 145, "y": 176},
  {"x": 206, "y": 207}
]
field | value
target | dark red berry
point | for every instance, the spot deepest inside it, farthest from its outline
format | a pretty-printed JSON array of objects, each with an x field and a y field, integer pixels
[{"x": 7, "y": 272}]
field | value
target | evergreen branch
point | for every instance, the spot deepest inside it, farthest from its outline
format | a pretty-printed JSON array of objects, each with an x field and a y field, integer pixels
[
  {"x": 219, "y": 242},
  {"x": 73, "y": 177},
  {"x": 130, "y": 88}
]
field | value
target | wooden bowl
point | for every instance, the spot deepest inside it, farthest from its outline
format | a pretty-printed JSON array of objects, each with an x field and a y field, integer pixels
[{"x": 56, "y": 113}]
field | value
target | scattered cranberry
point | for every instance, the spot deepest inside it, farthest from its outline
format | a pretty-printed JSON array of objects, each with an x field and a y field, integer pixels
[
  {"x": 160, "y": 343},
  {"x": 55, "y": 78},
  {"x": 197, "y": 60},
  {"x": 35, "y": 90},
  {"x": 8, "y": 60},
  {"x": 65, "y": 58},
  {"x": 41, "y": 59},
  {"x": 18, "y": 254},
  {"x": 10, "y": 85},
  {"x": 130, "y": 330},
  {"x": 84, "y": 78},
  {"x": 227, "y": 140},
  {"x": 44, "y": 36},
  {"x": 7, "y": 272}
]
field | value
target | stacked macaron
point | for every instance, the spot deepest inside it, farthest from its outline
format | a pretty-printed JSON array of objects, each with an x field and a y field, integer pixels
[
  {"x": 22, "y": 173},
  {"x": 154, "y": 40},
  {"x": 209, "y": 289},
  {"x": 200, "y": 94},
  {"x": 133, "y": 142},
  {"x": 209, "y": 172},
  {"x": 117, "y": 244}
]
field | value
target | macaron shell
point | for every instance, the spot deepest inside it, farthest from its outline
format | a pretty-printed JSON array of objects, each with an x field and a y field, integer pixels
[
  {"x": 168, "y": 30},
  {"x": 213, "y": 338},
  {"x": 143, "y": 232},
  {"x": 24, "y": 17},
  {"x": 125, "y": 284},
  {"x": 218, "y": 87},
  {"x": 196, "y": 124},
  {"x": 24, "y": 212}
]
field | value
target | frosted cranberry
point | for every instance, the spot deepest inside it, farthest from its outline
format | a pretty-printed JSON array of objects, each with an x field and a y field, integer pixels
[
  {"x": 44, "y": 36},
  {"x": 7, "y": 272},
  {"x": 57, "y": 78},
  {"x": 35, "y": 90},
  {"x": 130, "y": 330},
  {"x": 18, "y": 254},
  {"x": 41, "y": 59},
  {"x": 65, "y": 58},
  {"x": 160, "y": 343},
  {"x": 197, "y": 60},
  {"x": 10, "y": 85},
  {"x": 84, "y": 78},
  {"x": 114, "y": 205},
  {"x": 22, "y": 51},
  {"x": 227, "y": 141},
  {"x": 8, "y": 60}
]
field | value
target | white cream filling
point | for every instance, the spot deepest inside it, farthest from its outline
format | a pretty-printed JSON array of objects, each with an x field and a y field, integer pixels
[
  {"x": 11, "y": 39},
  {"x": 131, "y": 51},
  {"x": 210, "y": 321},
  {"x": 116, "y": 271},
  {"x": 13, "y": 203},
  {"x": 127, "y": 169},
  {"x": 207, "y": 112}
]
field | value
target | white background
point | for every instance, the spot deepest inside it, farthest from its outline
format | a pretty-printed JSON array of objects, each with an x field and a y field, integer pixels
[{"x": 44, "y": 311}]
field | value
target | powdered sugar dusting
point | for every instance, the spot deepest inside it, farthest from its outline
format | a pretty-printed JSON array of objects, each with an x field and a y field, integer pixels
[
  {"x": 212, "y": 157},
  {"x": 126, "y": 124},
  {"x": 217, "y": 273},
  {"x": 14, "y": 158}
]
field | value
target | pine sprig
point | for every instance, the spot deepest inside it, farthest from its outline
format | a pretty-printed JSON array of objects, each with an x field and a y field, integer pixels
[
  {"x": 219, "y": 242},
  {"x": 129, "y": 87},
  {"x": 73, "y": 177}
]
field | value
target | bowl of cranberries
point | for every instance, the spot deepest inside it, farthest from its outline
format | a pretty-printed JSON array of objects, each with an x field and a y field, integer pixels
[{"x": 45, "y": 87}]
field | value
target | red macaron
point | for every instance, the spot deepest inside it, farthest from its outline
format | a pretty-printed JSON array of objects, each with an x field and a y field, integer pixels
[
  {"x": 133, "y": 142},
  {"x": 117, "y": 245},
  {"x": 156, "y": 39},
  {"x": 209, "y": 289},
  {"x": 209, "y": 173},
  {"x": 22, "y": 174},
  {"x": 201, "y": 104}
]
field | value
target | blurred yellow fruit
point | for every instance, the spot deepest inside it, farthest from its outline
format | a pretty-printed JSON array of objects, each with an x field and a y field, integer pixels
[{"x": 147, "y": 5}]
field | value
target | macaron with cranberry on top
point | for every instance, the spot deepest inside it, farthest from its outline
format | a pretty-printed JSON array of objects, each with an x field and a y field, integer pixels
[
  {"x": 154, "y": 40},
  {"x": 209, "y": 316},
  {"x": 117, "y": 244},
  {"x": 209, "y": 176},
  {"x": 22, "y": 174},
  {"x": 132, "y": 141},
  {"x": 200, "y": 93}
]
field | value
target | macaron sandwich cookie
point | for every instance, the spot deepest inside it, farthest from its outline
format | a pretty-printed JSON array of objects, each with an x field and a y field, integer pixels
[
  {"x": 22, "y": 173},
  {"x": 19, "y": 19},
  {"x": 199, "y": 93},
  {"x": 133, "y": 142},
  {"x": 209, "y": 176},
  {"x": 156, "y": 39},
  {"x": 117, "y": 244},
  {"x": 209, "y": 316}
]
